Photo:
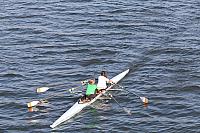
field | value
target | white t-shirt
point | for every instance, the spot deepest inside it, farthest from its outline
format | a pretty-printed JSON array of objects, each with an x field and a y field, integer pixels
[{"x": 102, "y": 82}]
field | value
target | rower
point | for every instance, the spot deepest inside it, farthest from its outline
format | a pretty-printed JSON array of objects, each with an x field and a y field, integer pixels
[
  {"x": 103, "y": 81},
  {"x": 90, "y": 92}
]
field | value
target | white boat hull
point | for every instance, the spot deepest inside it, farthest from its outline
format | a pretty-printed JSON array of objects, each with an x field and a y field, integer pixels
[{"x": 76, "y": 108}]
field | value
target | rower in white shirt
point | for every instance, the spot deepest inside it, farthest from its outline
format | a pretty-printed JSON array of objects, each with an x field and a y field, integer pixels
[{"x": 102, "y": 82}]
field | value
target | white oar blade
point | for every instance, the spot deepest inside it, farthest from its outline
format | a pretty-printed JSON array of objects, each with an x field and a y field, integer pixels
[
  {"x": 33, "y": 103},
  {"x": 42, "y": 89},
  {"x": 144, "y": 100},
  {"x": 127, "y": 111},
  {"x": 72, "y": 89}
]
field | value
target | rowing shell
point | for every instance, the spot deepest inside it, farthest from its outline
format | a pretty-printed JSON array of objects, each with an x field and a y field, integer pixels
[{"x": 77, "y": 107}]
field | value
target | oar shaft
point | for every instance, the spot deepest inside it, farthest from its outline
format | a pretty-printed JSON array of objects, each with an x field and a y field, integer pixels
[
  {"x": 115, "y": 100},
  {"x": 125, "y": 109},
  {"x": 74, "y": 83},
  {"x": 131, "y": 92},
  {"x": 44, "y": 89},
  {"x": 60, "y": 94},
  {"x": 35, "y": 103},
  {"x": 127, "y": 90},
  {"x": 144, "y": 99}
]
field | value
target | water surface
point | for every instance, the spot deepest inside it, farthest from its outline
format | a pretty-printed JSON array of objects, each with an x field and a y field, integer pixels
[{"x": 58, "y": 43}]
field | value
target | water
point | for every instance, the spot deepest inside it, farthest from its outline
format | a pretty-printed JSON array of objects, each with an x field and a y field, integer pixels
[{"x": 58, "y": 43}]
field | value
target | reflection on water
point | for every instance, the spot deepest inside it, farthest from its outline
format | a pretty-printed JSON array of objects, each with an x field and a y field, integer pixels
[
  {"x": 101, "y": 105},
  {"x": 33, "y": 109}
]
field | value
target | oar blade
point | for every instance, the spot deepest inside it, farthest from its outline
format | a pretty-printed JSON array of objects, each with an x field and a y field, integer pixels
[
  {"x": 33, "y": 103},
  {"x": 42, "y": 89},
  {"x": 144, "y": 100},
  {"x": 72, "y": 89},
  {"x": 127, "y": 111}
]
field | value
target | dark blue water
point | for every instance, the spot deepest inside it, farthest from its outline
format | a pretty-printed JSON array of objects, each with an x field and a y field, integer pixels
[{"x": 58, "y": 43}]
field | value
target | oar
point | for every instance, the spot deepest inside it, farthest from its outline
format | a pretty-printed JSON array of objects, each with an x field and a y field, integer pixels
[
  {"x": 44, "y": 89},
  {"x": 125, "y": 109},
  {"x": 35, "y": 103},
  {"x": 144, "y": 99},
  {"x": 38, "y": 102}
]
